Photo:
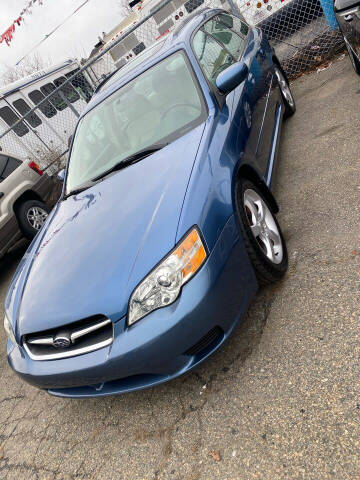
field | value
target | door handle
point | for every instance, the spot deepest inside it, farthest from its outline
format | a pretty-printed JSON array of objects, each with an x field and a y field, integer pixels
[{"x": 348, "y": 18}]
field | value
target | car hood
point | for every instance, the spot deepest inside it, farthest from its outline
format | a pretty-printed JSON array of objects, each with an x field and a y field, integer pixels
[{"x": 98, "y": 245}]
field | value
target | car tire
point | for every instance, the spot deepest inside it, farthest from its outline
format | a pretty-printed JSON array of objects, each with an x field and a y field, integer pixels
[
  {"x": 31, "y": 216},
  {"x": 353, "y": 58},
  {"x": 287, "y": 96},
  {"x": 261, "y": 232}
]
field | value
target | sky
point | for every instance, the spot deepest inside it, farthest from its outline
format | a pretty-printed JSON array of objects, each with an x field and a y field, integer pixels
[{"x": 77, "y": 36}]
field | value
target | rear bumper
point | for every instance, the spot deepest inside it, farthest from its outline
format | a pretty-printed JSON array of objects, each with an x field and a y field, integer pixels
[{"x": 166, "y": 343}]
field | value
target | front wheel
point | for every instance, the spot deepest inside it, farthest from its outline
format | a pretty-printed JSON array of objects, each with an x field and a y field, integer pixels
[
  {"x": 287, "y": 96},
  {"x": 31, "y": 216},
  {"x": 261, "y": 232}
]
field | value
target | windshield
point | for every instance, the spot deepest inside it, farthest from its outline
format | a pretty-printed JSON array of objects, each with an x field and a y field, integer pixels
[
  {"x": 157, "y": 107},
  {"x": 142, "y": 57}
]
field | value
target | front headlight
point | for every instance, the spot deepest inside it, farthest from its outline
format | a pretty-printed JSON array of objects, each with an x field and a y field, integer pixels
[
  {"x": 9, "y": 330},
  {"x": 163, "y": 285}
]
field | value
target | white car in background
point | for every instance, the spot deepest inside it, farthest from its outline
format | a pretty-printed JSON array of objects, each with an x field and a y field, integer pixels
[{"x": 25, "y": 199}]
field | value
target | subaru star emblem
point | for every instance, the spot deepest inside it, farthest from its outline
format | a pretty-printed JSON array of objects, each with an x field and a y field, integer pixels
[{"x": 62, "y": 340}]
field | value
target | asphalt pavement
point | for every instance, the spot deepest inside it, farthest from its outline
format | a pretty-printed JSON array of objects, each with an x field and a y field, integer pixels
[{"x": 281, "y": 400}]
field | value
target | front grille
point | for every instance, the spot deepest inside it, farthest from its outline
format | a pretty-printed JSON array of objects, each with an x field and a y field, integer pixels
[
  {"x": 74, "y": 339},
  {"x": 208, "y": 340}
]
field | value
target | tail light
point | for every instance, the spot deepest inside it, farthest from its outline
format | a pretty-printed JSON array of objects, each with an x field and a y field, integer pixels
[{"x": 34, "y": 166}]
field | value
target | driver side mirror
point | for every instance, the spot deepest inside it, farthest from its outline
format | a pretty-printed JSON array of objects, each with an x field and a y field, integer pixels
[
  {"x": 61, "y": 175},
  {"x": 232, "y": 77}
]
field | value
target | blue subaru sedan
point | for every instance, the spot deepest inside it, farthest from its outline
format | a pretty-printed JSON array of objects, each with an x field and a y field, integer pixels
[{"x": 166, "y": 225}]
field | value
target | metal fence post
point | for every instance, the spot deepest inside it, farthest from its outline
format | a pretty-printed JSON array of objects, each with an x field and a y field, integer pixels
[{"x": 328, "y": 8}]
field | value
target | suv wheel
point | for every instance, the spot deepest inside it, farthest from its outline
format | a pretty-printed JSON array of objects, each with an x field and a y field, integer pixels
[
  {"x": 261, "y": 232},
  {"x": 31, "y": 216}
]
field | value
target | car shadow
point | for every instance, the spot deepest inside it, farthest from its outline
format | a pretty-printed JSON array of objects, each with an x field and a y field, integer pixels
[{"x": 11, "y": 259}]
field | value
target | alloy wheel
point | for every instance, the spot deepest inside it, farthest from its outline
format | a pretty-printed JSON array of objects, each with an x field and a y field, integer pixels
[
  {"x": 285, "y": 89},
  {"x": 36, "y": 216},
  {"x": 263, "y": 226}
]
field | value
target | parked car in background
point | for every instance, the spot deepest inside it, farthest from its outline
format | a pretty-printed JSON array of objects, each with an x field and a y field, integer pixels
[
  {"x": 166, "y": 225},
  {"x": 348, "y": 16},
  {"x": 24, "y": 191}
]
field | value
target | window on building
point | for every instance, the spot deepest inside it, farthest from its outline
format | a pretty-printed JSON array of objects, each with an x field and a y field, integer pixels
[
  {"x": 55, "y": 98},
  {"x": 139, "y": 48},
  {"x": 23, "y": 108},
  {"x": 70, "y": 93},
  {"x": 81, "y": 85},
  {"x": 192, "y": 5},
  {"x": 45, "y": 107},
  {"x": 10, "y": 117}
]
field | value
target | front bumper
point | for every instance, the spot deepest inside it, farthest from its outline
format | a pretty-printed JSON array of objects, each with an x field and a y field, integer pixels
[{"x": 159, "y": 347}]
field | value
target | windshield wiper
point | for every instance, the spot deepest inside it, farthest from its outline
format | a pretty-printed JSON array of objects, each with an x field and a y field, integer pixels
[
  {"x": 80, "y": 188},
  {"x": 118, "y": 166},
  {"x": 131, "y": 159}
]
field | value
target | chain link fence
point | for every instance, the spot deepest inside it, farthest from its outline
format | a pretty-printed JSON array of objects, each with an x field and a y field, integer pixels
[{"x": 38, "y": 115}]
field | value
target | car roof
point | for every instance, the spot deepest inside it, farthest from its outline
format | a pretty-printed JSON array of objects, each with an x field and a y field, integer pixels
[{"x": 174, "y": 41}]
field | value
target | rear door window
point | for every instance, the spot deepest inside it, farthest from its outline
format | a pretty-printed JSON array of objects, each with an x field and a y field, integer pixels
[
  {"x": 221, "y": 27},
  {"x": 212, "y": 57},
  {"x": 45, "y": 107},
  {"x": 10, "y": 117},
  {"x": 23, "y": 108},
  {"x": 7, "y": 166}
]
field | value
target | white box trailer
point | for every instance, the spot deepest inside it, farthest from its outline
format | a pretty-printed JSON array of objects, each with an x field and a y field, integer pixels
[
  {"x": 49, "y": 127},
  {"x": 159, "y": 24}
]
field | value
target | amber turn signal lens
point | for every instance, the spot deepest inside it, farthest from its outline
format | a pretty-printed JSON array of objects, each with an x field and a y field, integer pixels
[{"x": 192, "y": 254}]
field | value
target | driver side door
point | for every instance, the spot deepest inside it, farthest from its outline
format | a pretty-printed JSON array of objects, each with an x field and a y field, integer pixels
[{"x": 226, "y": 40}]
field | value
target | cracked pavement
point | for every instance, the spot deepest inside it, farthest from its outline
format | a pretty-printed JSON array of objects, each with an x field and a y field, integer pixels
[{"x": 281, "y": 399}]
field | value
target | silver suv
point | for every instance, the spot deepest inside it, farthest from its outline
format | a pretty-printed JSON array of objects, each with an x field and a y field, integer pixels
[{"x": 25, "y": 191}]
